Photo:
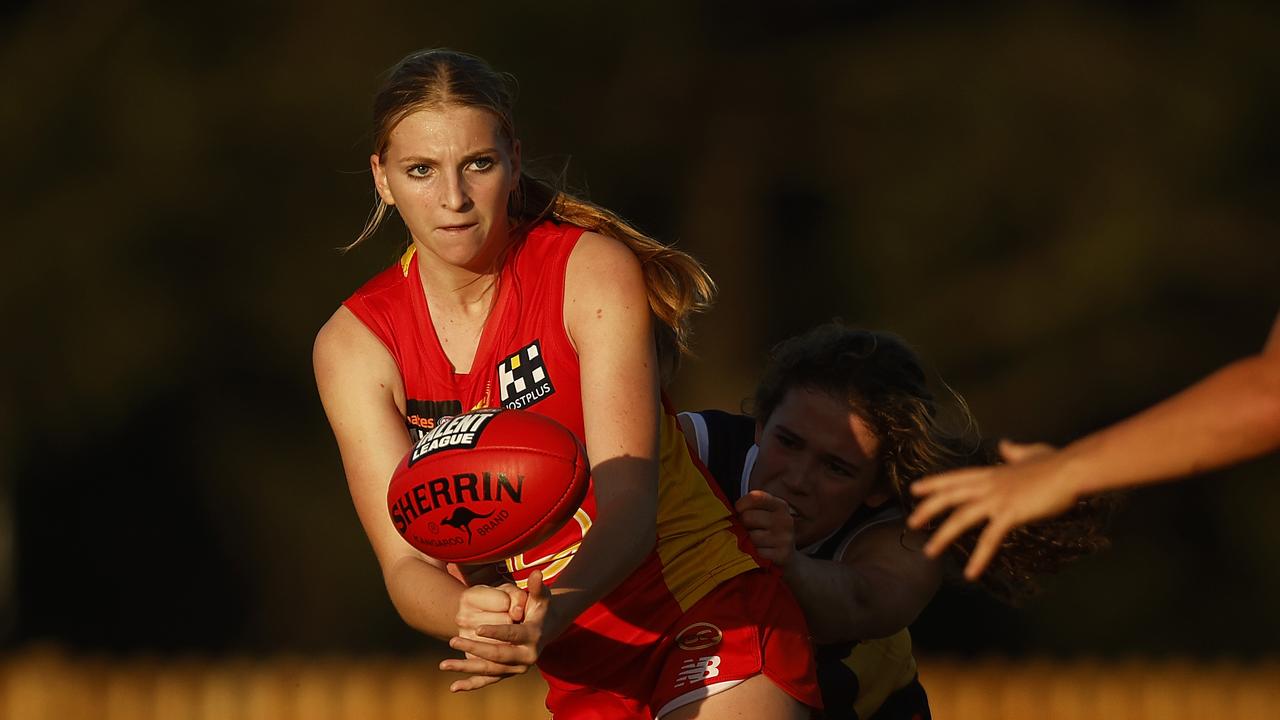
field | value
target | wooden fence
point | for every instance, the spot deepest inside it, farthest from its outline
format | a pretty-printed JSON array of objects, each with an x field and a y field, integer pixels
[{"x": 46, "y": 685}]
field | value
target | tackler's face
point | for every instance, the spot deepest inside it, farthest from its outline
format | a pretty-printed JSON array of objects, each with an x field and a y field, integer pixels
[
  {"x": 449, "y": 172},
  {"x": 820, "y": 458}
]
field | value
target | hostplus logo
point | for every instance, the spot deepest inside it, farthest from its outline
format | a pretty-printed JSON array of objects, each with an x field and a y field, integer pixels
[{"x": 523, "y": 378}]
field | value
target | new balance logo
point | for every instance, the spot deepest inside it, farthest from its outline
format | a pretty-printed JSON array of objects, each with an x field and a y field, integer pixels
[
  {"x": 523, "y": 378},
  {"x": 697, "y": 671}
]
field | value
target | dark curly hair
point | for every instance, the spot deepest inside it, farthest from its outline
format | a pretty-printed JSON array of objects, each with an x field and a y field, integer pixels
[{"x": 882, "y": 381}]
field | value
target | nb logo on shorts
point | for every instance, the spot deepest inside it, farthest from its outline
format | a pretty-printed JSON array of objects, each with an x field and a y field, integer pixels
[{"x": 697, "y": 671}]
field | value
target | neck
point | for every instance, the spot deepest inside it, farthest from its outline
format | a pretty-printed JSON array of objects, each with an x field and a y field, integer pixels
[{"x": 457, "y": 287}]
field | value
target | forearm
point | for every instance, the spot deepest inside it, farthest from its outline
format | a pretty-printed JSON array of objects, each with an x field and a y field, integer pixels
[
  {"x": 621, "y": 537},
  {"x": 425, "y": 596},
  {"x": 1229, "y": 416}
]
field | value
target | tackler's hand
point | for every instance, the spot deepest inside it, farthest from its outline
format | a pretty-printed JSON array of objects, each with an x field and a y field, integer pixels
[{"x": 769, "y": 525}]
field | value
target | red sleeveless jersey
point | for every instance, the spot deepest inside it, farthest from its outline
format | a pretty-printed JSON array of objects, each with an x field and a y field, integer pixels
[{"x": 525, "y": 360}]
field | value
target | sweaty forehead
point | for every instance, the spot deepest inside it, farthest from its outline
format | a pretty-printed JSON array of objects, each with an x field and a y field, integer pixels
[{"x": 442, "y": 130}]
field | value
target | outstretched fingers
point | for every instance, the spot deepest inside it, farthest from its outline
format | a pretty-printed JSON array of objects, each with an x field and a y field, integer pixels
[
  {"x": 942, "y": 493},
  {"x": 1013, "y": 452},
  {"x": 955, "y": 525},
  {"x": 988, "y": 544}
]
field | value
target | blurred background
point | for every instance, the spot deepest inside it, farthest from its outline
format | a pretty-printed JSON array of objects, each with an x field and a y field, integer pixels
[{"x": 1070, "y": 209}]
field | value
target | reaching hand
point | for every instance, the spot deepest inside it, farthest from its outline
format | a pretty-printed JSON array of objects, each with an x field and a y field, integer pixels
[
  {"x": 507, "y": 635},
  {"x": 1033, "y": 485},
  {"x": 769, "y": 525}
]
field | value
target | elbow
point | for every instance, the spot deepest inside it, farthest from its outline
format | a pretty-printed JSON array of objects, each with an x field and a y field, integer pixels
[{"x": 645, "y": 544}]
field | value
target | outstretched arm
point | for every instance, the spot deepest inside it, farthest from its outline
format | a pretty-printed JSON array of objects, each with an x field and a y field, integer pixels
[{"x": 1228, "y": 417}]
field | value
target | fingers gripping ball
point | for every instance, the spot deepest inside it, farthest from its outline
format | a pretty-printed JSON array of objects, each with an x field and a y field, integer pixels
[{"x": 487, "y": 485}]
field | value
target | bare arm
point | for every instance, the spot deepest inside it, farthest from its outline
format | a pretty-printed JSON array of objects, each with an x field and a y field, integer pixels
[
  {"x": 358, "y": 382},
  {"x": 876, "y": 588},
  {"x": 608, "y": 319},
  {"x": 1230, "y": 416}
]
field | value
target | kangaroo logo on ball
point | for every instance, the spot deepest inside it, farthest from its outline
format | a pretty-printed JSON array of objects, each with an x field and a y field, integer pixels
[{"x": 462, "y": 519}]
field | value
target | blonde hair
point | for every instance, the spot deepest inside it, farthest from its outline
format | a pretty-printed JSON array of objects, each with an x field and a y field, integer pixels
[{"x": 676, "y": 283}]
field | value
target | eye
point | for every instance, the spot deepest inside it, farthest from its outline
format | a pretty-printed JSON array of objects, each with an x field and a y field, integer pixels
[
  {"x": 839, "y": 469},
  {"x": 419, "y": 171},
  {"x": 787, "y": 441},
  {"x": 482, "y": 163}
]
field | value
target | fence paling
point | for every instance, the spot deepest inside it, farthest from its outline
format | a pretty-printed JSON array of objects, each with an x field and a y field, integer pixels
[{"x": 46, "y": 685}]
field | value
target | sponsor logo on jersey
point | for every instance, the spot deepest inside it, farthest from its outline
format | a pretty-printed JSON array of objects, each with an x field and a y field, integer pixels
[
  {"x": 696, "y": 672},
  {"x": 423, "y": 415},
  {"x": 523, "y": 378},
  {"x": 451, "y": 433},
  {"x": 699, "y": 636}
]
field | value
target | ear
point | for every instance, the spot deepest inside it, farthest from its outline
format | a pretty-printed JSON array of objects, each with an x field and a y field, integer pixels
[
  {"x": 878, "y": 498},
  {"x": 881, "y": 492},
  {"x": 515, "y": 160},
  {"x": 380, "y": 179}
]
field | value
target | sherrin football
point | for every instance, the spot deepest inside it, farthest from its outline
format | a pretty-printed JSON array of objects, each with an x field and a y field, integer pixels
[{"x": 487, "y": 485}]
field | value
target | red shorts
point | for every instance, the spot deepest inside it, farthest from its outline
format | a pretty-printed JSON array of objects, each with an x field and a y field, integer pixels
[{"x": 748, "y": 625}]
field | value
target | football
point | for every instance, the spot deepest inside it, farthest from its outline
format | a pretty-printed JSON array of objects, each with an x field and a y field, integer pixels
[{"x": 487, "y": 485}]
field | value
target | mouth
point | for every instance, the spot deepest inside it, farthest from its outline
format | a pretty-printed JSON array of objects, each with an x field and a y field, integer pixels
[{"x": 455, "y": 229}]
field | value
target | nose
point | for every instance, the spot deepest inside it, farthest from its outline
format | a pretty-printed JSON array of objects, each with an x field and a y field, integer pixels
[
  {"x": 796, "y": 479},
  {"x": 454, "y": 194}
]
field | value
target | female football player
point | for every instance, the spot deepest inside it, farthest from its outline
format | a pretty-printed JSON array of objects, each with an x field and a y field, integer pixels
[{"x": 513, "y": 294}]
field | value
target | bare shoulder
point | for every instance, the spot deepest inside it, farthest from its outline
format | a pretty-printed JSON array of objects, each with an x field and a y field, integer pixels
[
  {"x": 345, "y": 348},
  {"x": 600, "y": 260},
  {"x": 604, "y": 288},
  {"x": 890, "y": 557},
  {"x": 888, "y": 539}
]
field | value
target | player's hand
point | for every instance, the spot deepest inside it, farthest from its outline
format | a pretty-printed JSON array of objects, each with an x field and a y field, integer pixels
[
  {"x": 769, "y": 525},
  {"x": 506, "y": 647},
  {"x": 1031, "y": 486},
  {"x": 481, "y": 606}
]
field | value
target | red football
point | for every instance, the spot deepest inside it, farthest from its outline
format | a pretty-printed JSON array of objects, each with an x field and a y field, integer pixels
[{"x": 487, "y": 485}]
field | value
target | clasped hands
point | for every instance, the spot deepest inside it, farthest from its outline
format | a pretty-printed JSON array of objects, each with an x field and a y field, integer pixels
[{"x": 502, "y": 631}]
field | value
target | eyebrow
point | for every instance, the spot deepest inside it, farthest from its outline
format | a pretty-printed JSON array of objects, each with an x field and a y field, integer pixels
[
  {"x": 424, "y": 160},
  {"x": 851, "y": 464}
]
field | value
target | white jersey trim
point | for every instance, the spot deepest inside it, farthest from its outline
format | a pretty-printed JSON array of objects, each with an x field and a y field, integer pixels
[
  {"x": 695, "y": 695},
  {"x": 844, "y": 545},
  {"x": 702, "y": 438}
]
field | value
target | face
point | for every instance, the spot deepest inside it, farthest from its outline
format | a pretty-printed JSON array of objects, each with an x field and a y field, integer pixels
[
  {"x": 820, "y": 458},
  {"x": 448, "y": 171}
]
